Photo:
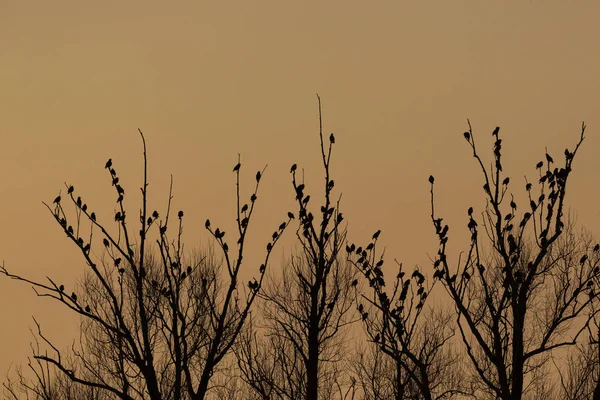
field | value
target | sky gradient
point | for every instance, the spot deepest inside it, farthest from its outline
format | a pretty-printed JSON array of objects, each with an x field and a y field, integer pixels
[{"x": 208, "y": 80}]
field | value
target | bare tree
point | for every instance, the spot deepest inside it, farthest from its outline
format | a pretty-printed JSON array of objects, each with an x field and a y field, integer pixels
[
  {"x": 517, "y": 292},
  {"x": 307, "y": 307},
  {"x": 156, "y": 325},
  {"x": 417, "y": 359},
  {"x": 580, "y": 373}
]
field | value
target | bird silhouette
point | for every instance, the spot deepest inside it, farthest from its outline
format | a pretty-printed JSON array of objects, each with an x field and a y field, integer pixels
[
  {"x": 331, "y": 139},
  {"x": 244, "y": 208},
  {"x": 376, "y": 234},
  {"x": 431, "y": 179},
  {"x": 237, "y": 167},
  {"x": 56, "y": 200},
  {"x": 258, "y": 176},
  {"x": 61, "y": 288},
  {"x": 495, "y": 133},
  {"x": 108, "y": 163},
  {"x": 74, "y": 296},
  {"x": 180, "y": 214},
  {"x": 539, "y": 165},
  {"x": 467, "y": 135},
  {"x": 294, "y": 166},
  {"x": 207, "y": 224}
]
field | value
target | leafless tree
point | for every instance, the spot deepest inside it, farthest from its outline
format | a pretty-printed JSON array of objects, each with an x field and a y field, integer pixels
[
  {"x": 518, "y": 292},
  {"x": 417, "y": 359},
  {"x": 155, "y": 323},
  {"x": 307, "y": 307}
]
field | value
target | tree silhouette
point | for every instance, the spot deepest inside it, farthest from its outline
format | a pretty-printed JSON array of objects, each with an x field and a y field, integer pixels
[
  {"x": 416, "y": 359},
  {"x": 305, "y": 308},
  {"x": 517, "y": 294},
  {"x": 155, "y": 323}
]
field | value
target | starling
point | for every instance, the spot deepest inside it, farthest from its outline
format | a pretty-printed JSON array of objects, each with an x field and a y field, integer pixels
[
  {"x": 106, "y": 242},
  {"x": 70, "y": 190},
  {"x": 293, "y": 168},
  {"x": 74, "y": 296},
  {"x": 108, "y": 163},
  {"x": 189, "y": 270},
  {"x": 495, "y": 133},
  {"x": 258, "y": 176},
  {"x": 253, "y": 198},
  {"x": 262, "y": 268},
  {"x": 57, "y": 200},
  {"x": 155, "y": 214},
  {"x": 376, "y": 234},
  {"x": 245, "y": 208},
  {"x": 431, "y": 179},
  {"x": 61, "y": 288},
  {"x": 290, "y": 215},
  {"x": 237, "y": 167},
  {"x": 467, "y": 135},
  {"x": 539, "y": 165},
  {"x": 282, "y": 226},
  {"x": 355, "y": 282},
  {"x": 180, "y": 214},
  {"x": 548, "y": 158},
  {"x": 506, "y": 180},
  {"x": 207, "y": 224},
  {"x": 331, "y": 139},
  {"x": 87, "y": 309},
  {"x": 470, "y": 211}
]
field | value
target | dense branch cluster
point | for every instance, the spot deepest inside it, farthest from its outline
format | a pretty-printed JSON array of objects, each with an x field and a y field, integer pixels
[{"x": 159, "y": 323}]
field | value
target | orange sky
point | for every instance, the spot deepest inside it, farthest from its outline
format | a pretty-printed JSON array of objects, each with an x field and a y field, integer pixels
[{"x": 208, "y": 80}]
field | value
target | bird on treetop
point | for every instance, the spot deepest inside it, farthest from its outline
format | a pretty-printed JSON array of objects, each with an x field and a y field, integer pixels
[
  {"x": 331, "y": 139},
  {"x": 108, "y": 163}
]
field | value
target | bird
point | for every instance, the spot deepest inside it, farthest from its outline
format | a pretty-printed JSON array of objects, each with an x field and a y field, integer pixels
[
  {"x": 539, "y": 165},
  {"x": 294, "y": 166},
  {"x": 262, "y": 268},
  {"x": 237, "y": 167},
  {"x": 108, "y": 163},
  {"x": 61, "y": 288},
  {"x": 57, "y": 200},
  {"x": 189, "y": 270},
  {"x": 180, "y": 214},
  {"x": 467, "y": 135},
  {"x": 74, "y": 296},
  {"x": 431, "y": 179},
  {"x": 355, "y": 282},
  {"x": 106, "y": 242},
  {"x": 290, "y": 215},
  {"x": 87, "y": 309},
  {"x": 548, "y": 158},
  {"x": 495, "y": 133},
  {"x": 331, "y": 139},
  {"x": 244, "y": 208},
  {"x": 207, "y": 224},
  {"x": 258, "y": 176},
  {"x": 70, "y": 190},
  {"x": 376, "y": 234}
]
